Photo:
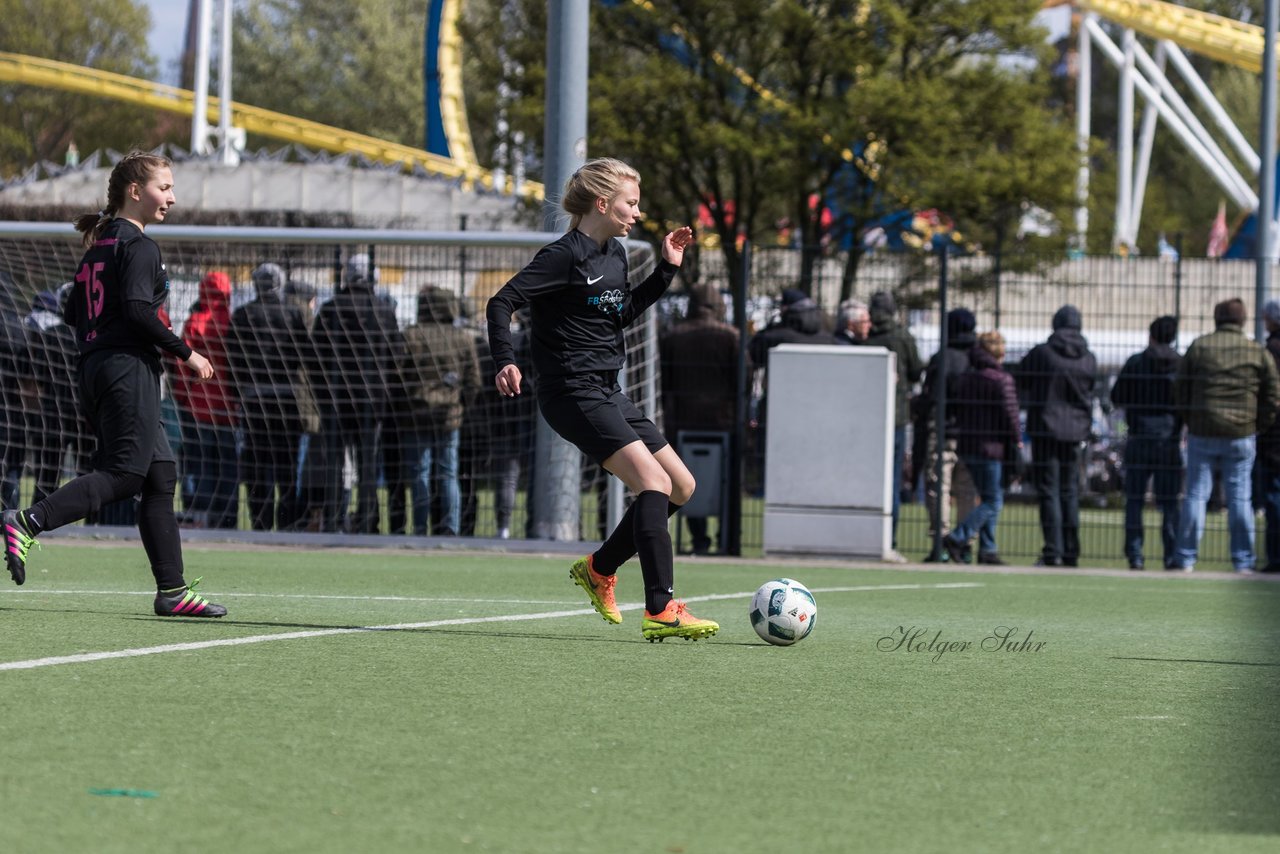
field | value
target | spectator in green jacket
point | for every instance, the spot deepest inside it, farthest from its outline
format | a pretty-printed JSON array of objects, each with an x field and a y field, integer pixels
[
  {"x": 887, "y": 333},
  {"x": 442, "y": 370},
  {"x": 1226, "y": 390}
]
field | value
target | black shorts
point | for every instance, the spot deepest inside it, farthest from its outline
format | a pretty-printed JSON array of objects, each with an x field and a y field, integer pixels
[
  {"x": 597, "y": 417},
  {"x": 120, "y": 393}
]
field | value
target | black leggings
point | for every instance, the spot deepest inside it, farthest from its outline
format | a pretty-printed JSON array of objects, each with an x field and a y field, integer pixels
[{"x": 156, "y": 522}]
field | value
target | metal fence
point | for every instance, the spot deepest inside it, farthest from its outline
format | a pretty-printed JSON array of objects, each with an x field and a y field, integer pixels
[{"x": 1117, "y": 298}]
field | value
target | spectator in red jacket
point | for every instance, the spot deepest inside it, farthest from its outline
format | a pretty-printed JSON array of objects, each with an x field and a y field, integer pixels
[
  {"x": 206, "y": 411},
  {"x": 987, "y": 430}
]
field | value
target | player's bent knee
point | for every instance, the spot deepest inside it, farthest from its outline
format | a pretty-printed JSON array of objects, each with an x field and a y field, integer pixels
[{"x": 682, "y": 490}]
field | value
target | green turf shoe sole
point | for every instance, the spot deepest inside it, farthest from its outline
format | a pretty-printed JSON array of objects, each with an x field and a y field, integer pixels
[
  {"x": 599, "y": 589},
  {"x": 676, "y": 622}
]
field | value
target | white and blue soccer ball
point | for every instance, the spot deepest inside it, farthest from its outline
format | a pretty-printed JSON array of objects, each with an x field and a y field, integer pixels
[{"x": 783, "y": 611}]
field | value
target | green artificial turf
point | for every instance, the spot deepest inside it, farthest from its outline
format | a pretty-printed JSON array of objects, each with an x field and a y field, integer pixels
[{"x": 1145, "y": 722}]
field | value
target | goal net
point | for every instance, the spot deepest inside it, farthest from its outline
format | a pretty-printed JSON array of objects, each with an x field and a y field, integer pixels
[{"x": 353, "y": 390}]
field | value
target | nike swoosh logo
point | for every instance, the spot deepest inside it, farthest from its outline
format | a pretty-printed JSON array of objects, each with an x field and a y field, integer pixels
[
  {"x": 672, "y": 625},
  {"x": 596, "y": 279}
]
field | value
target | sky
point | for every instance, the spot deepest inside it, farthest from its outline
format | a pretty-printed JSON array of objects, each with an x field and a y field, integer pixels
[{"x": 168, "y": 28}]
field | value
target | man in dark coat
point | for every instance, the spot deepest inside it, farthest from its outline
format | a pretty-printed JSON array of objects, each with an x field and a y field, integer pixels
[
  {"x": 358, "y": 346},
  {"x": 1269, "y": 451},
  {"x": 1152, "y": 453},
  {"x": 799, "y": 322},
  {"x": 699, "y": 359},
  {"x": 948, "y": 365},
  {"x": 886, "y": 332},
  {"x": 266, "y": 345},
  {"x": 1057, "y": 382}
]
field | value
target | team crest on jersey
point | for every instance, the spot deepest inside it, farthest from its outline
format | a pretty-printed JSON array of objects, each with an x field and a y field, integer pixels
[{"x": 610, "y": 302}]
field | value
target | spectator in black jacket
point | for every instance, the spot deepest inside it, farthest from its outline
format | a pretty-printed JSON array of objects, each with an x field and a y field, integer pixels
[
  {"x": 358, "y": 345},
  {"x": 1152, "y": 453},
  {"x": 1056, "y": 383},
  {"x": 266, "y": 345},
  {"x": 1269, "y": 451},
  {"x": 699, "y": 359},
  {"x": 799, "y": 322},
  {"x": 887, "y": 332},
  {"x": 52, "y": 344},
  {"x": 949, "y": 364}
]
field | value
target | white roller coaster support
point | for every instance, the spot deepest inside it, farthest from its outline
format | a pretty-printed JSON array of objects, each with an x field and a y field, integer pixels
[
  {"x": 228, "y": 152},
  {"x": 200, "y": 89},
  {"x": 1084, "y": 77},
  {"x": 1248, "y": 201},
  {"x": 1175, "y": 100},
  {"x": 1124, "y": 165},
  {"x": 1206, "y": 97},
  {"x": 1146, "y": 142}
]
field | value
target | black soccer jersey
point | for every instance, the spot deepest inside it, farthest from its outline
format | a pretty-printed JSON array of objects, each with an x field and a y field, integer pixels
[
  {"x": 120, "y": 287},
  {"x": 580, "y": 301}
]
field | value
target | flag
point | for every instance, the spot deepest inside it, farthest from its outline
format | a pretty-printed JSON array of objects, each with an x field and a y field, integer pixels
[{"x": 1218, "y": 233}]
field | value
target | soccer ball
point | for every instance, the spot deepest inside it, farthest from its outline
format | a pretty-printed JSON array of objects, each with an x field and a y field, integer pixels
[{"x": 783, "y": 611}]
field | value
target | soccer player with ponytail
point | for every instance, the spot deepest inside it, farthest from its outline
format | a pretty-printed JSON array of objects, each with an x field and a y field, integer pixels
[
  {"x": 581, "y": 301},
  {"x": 119, "y": 288}
]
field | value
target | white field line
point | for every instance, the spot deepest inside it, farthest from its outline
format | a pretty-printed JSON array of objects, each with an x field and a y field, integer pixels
[
  {"x": 85, "y": 657},
  {"x": 72, "y": 592}
]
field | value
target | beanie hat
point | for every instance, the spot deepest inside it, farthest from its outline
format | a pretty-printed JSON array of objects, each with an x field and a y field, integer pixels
[
  {"x": 882, "y": 302},
  {"x": 267, "y": 277},
  {"x": 1165, "y": 329},
  {"x": 1067, "y": 317},
  {"x": 960, "y": 321},
  {"x": 792, "y": 296},
  {"x": 704, "y": 297},
  {"x": 1271, "y": 311}
]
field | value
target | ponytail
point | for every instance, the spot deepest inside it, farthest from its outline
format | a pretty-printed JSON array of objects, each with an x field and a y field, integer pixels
[{"x": 91, "y": 224}]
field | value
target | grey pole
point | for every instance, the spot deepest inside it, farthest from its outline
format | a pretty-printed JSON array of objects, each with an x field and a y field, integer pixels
[
  {"x": 1267, "y": 174},
  {"x": 557, "y": 493}
]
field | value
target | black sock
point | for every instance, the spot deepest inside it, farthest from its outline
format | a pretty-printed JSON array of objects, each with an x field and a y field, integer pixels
[
  {"x": 158, "y": 526},
  {"x": 653, "y": 543},
  {"x": 30, "y": 522},
  {"x": 621, "y": 545},
  {"x": 79, "y": 498}
]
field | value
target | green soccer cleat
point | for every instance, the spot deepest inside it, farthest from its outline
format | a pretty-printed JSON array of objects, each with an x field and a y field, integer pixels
[
  {"x": 599, "y": 589},
  {"x": 186, "y": 602},
  {"x": 675, "y": 621}
]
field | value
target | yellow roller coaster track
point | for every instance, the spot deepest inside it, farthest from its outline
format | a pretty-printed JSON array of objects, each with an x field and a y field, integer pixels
[
  {"x": 47, "y": 73},
  {"x": 1214, "y": 36}
]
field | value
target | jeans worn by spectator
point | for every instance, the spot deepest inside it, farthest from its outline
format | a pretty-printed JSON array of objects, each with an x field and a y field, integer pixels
[
  {"x": 1234, "y": 457},
  {"x": 981, "y": 520},
  {"x": 1157, "y": 461},
  {"x": 434, "y": 459}
]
